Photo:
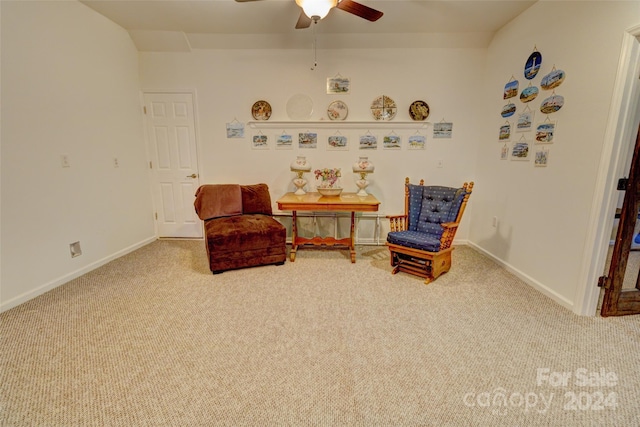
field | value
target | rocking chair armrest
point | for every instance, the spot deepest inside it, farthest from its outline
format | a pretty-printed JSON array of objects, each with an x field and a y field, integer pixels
[
  {"x": 448, "y": 234},
  {"x": 397, "y": 222},
  {"x": 449, "y": 225}
]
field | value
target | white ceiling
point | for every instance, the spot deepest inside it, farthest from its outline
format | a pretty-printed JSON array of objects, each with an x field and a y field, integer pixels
[{"x": 182, "y": 25}]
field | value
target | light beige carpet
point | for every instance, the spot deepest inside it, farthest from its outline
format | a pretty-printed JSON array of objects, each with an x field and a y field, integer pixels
[{"x": 153, "y": 339}]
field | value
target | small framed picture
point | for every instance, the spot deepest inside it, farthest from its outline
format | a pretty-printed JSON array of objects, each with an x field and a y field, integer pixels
[
  {"x": 545, "y": 132},
  {"x": 235, "y": 130},
  {"x": 368, "y": 142},
  {"x": 520, "y": 150},
  {"x": 391, "y": 142},
  {"x": 442, "y": 130},
  {"x": 542, "y": 157},
  {"x": 284, "y": 142},
  {"x": 337, "y": 142},
  {"x": 504, "y": 152},
  {"x": 307, "y": 140},
  {"x": 416, "y": 142},
  {"x": 260, "y": 142},
  {"x": 525, "y": 121},
  {"x": 338, "y": 85},
  {"x": 505, "y": 132}
]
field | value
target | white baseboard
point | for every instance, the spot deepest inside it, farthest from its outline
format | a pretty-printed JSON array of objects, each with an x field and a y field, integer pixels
[
  {"x": 6, "y": 305},
  {"x": 527, "y": 279}
]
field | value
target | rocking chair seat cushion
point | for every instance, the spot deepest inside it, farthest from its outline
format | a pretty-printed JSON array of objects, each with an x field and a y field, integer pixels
[{"x": 415, "y": 240}]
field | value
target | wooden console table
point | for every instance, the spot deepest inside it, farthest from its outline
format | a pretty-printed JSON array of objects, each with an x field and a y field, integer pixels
[{"x": 346, "y": 202}]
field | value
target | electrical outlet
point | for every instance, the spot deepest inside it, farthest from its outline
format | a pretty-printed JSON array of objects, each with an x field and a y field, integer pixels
[
  {"x": 116, "y": 163},
  {"x": 64, "y": 161}
]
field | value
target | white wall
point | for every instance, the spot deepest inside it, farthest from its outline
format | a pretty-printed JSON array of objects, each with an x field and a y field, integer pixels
[
  {"x": 69, "y": 86},
  {"x": 544, "y": 212},
  {"x": 228, "y": 82}
]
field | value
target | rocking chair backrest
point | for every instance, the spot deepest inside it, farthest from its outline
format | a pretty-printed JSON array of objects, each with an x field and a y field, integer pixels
[{"x": 429, "y": 206}]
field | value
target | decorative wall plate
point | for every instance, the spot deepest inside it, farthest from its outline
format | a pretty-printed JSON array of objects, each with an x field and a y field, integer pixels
[
  {"x": 261, "y": 110},
  {"x": 383, "y": 108},
  {"x": 510, "y": 89},
  {"x": 337, "y": 110},
  {"x": 419, "y": 110},
  {"x": 532, "y": 65},
  {"x": 553, "y": 79},
  {"x": 508, "y": 110},
  {"x": 529, "y": 94},
  {"x": 300, "y": 107},
  {"x": 552, "y": 104}
]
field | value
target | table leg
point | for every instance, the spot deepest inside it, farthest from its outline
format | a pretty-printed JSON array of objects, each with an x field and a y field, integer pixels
[
  {"x": 352, "y": 246},
  {"x": 294, "y": 236}
]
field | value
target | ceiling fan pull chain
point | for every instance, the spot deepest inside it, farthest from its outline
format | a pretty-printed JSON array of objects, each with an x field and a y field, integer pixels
[{"x": 315, "y": 53}]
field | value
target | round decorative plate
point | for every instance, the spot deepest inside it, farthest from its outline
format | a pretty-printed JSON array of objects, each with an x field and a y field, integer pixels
[
  {"x": 300, "y": 107},
  {"x": 383, "y": 108},
  {"x": 337, "y": 110},
  {"x": 532, "y": 66},
  {"x": 552, "y": 104},
  {"x": 419, "y": 110},
  {"x": 508, "y": 110},
  {"x": 261, "y": 110},
  {"x": 529, "y": 94},
  {"x": 553, "y": 79}
]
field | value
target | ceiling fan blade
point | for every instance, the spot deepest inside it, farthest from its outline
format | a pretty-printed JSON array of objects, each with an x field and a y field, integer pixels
[
  {"x": 360, "y": 10},
  {"x": 303, "y": 21}
]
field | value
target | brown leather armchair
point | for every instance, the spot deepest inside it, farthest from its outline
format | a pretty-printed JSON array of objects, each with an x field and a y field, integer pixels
[{"x": 240, "y": 230}]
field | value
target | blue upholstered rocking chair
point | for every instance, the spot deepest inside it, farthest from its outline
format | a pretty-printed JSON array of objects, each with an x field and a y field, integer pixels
[{"x": 420, "y": 240}]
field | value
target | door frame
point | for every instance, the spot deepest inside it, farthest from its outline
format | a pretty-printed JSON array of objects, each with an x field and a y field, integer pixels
[
  {"x": 618, "y": 301},
  {"x": 196, "y": 126},
  {"x": 619, "y": 134}
]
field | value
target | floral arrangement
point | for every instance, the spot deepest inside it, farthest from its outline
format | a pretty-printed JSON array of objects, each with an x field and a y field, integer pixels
[{"x": 329, "y": 177}]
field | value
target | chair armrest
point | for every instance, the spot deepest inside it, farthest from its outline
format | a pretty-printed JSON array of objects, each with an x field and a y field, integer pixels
[
  {"x": 448, "y": 233},
  {"x": 448, "y": 225},
  {"x": 397, "y": 222}
]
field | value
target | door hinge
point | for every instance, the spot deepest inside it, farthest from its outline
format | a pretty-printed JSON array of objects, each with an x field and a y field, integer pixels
[
  {"x": 622, "y": 184},
  {"x": 144, "y": 108},
  {"x": 603, "y": 282},
  {"x": 150, "y": 165},
  {"x": 157, "y": 219}
]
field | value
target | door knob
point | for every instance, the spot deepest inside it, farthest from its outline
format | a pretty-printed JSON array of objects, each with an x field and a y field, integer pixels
[{"x": 193, "y": 175}]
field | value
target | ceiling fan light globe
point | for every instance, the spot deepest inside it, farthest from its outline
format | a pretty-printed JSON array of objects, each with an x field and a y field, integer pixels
[{"x": 316, "y": 9}]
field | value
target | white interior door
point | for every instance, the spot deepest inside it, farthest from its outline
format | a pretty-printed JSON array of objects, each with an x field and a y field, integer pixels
[{"x": 174, "y": 162}]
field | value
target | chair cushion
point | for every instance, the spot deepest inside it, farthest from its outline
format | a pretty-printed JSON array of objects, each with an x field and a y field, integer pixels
[
  {"x": 439, "y": 205},
  {"x": 256, "y": 199},
  {"x": 243, "y": 232},
  {"x": 218, "y": 200},
  {"x": 415, "y": 240}
]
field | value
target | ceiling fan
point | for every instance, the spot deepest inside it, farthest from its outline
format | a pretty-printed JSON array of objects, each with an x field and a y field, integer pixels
[{"x": 315, "y": 10}]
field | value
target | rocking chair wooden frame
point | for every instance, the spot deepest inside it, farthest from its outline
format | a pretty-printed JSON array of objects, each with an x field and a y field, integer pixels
[{"x": 429, "y": 265}]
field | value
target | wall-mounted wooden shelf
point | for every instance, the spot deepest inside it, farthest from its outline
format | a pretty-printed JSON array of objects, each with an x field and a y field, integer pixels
[{"x": 335, "y": 124}]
